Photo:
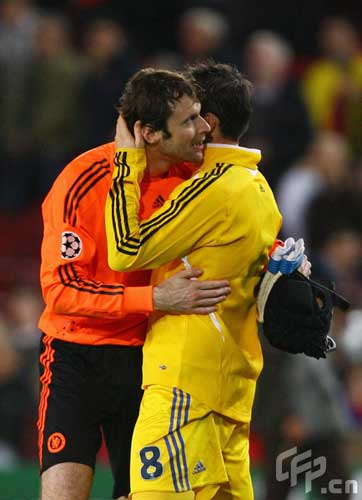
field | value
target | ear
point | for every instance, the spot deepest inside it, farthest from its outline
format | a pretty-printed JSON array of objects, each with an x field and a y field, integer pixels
[
  {"x": 150, "y": 135},
  {"x": 212, "y": 120}
]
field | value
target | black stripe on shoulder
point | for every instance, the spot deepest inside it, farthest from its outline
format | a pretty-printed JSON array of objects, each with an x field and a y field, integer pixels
[
  {"x": 80, "y": 180},
  {"x": 103, "y": 173}
]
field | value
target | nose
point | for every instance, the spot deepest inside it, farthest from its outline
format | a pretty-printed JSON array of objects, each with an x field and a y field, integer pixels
[{"x": 203, "y": 126}]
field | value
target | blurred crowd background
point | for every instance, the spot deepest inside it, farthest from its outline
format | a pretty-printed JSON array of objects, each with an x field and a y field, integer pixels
[{"x": 63, "y": 66}]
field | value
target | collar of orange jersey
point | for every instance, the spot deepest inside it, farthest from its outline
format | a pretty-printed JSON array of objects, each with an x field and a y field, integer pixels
[{"x": 227, "y": 153}]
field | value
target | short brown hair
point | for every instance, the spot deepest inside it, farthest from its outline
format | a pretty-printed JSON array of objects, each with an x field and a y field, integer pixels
[{"x": 150, "y": 96}]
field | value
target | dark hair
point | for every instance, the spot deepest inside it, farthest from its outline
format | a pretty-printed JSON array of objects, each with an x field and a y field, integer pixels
[
  {"x": 223, "y": 91},
  {"x": 150, "y": 96}
]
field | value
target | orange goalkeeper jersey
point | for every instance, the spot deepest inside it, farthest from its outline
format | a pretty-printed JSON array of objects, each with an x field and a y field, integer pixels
[{"x": 87, "y": 302}]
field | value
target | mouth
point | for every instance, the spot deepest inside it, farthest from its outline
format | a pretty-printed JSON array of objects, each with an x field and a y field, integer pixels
[{"x": 199, "y": 146}]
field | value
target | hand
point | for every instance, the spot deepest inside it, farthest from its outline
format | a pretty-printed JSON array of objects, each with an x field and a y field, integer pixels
[
  {"x": 183, "y": 293},
  {"x": 124, "y": 138}
]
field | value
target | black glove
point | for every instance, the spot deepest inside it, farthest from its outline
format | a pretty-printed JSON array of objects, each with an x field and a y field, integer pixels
[{"x": 296, "y": 313}]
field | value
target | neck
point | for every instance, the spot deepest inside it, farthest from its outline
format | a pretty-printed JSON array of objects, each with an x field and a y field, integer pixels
[
  {"x": 225, "y": 141},
  {"x": 157, "y": 164},
  {"x": 218, "y": 138}
]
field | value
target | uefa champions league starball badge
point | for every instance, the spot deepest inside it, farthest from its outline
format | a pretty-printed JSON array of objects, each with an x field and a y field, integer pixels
[{"x": 71, "y": 245}]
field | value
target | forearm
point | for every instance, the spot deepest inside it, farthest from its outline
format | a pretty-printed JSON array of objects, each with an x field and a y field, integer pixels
[
  {"x": 74, "y": 295},
  {"x": 122, "y": 208}
]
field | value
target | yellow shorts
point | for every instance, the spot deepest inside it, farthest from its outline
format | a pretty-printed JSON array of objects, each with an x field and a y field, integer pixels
[{"x": 179, "y": 444}]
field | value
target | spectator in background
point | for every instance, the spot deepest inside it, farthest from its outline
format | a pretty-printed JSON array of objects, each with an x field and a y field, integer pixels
[
  {"x": 110, "y": 64},
  {"x": 350, "y": 346},
  {"x": 334, "y": 233},
  {"x": 52, "y": 127},
  {"x": 333, "y": 84},
  {"x": 280, "y": 125},
  {"x": 17, "y": 396},
  {"x": 310, "y": 414},
  {"x": 10, "y": 395},
  {"x": 203, "y": 34},
  {"x": 325, "y": 166},
  {"x": 337, "y": 249},
  {"x": 354, "y": 393},
  {"x": 19, "y": 21},
  {"x": 351, "y": 341},
  {"x": 18, "y": 25},
  {"x": 24, "y": 306}
]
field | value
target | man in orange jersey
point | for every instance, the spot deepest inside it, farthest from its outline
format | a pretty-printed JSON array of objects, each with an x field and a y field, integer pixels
[{"x": 95, "y": 321}]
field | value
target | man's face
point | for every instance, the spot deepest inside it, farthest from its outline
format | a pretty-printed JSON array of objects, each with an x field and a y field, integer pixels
[{"x": 188, "y": 132}]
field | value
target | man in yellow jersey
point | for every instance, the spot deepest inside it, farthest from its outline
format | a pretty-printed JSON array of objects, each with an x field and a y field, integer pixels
[{"x": 191, "y": 437}]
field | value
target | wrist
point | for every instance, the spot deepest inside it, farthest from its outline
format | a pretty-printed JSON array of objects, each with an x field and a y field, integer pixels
[
  {"x": 157, "y": 298},
  {"x": 138, "y": 155},
  {"x": 131, "y": 161}
]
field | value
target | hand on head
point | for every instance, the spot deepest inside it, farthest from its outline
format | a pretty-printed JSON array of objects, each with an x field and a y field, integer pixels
[{"x": 124, "y": 138}]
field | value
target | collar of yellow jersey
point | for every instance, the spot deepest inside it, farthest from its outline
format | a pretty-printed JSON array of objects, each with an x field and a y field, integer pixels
[{"x": 227, "y": 153}]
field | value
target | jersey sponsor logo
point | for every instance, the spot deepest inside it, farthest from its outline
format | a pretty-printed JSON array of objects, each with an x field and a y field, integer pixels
[
  {"x": 159, "y": 201},
  {"x": 71, "y": 245},
  {"x": 199, "y": 467},
  {"x": 56, "y": 442}
]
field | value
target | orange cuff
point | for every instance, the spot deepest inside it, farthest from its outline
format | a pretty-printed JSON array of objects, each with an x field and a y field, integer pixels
[
  {"x": 138, "y": 299},
  {"x": 277, "y": 243}
]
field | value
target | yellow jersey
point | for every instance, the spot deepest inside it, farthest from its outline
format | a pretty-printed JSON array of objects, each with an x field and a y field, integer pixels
[{"x": 223, "y": 220}]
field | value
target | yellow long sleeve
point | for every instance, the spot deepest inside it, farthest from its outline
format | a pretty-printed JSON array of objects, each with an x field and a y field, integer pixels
[{"x": 194, "y": 209}]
